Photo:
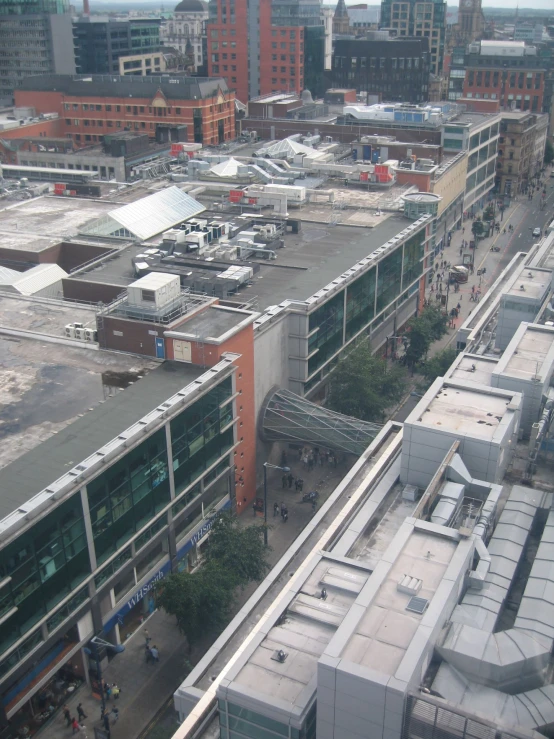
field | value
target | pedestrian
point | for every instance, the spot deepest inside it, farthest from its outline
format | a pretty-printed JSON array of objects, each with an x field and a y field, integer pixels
[
  {"x": 284, "y": 513},
  {"x": 300, "y": 483},
  {"x": 147, "y": 636},
  {"x": 290, "y": 479},
  {"x": 275, "y": 509},
  {"x": 286, "y": 516},
  {"x": 80, "y": 712},
  {"x": 155, "y": 654},
  {"x": 283, "y": 458},
  {"x": 284, "y": 480},
  {"x": 67, "y": 715},
  {"x": 314, "y": 504},
  {"x": 115, "y": 691},
  {"x": 115, "y": 712},
  {"x": 106, "y": 721},
  {"x": 76, "y": 726},
  {"x": 310, "y": 462},
  {"x": 147, "y": 647}
]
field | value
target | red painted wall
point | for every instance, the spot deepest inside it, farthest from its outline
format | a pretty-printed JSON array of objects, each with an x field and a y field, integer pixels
[{"x": 482, "y": 81}]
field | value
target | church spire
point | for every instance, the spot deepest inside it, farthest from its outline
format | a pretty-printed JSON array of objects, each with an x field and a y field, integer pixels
[{"x": 340, "y": 10}]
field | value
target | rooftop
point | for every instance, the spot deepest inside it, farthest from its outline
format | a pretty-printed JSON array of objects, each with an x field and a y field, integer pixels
[
  {"x": 44, "y": 386},
  {"x": 531, "y": 348},
  {"x": 178, "y": 87},
  {"x": 214, "y": 323},
  {"x": 477, "y": 412},
  {"x": 387, "y": 628},
  {"x": 473, "y": 368},
  {"x": 28, "y": 475},
  {"x": 531, "y": 283}
]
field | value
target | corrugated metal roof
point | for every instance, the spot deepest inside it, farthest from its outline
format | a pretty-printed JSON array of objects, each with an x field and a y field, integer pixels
[{"x": 38, "y": 278}]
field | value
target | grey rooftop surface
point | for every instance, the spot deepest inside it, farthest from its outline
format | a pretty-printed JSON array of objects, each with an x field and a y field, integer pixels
[
  {"x": 531, "y": 283},
  {"x": 52, "y": 217},
  {"x": 460, "y": 410},
  {"x": 385, "y": 631},
  {"x": 531, "y": 347},
  {"x": 44, "y": 464},
  {"x": 309, "y": 625},
  {"x": 213, "y": 323},
  {"x": 43, "y": 317},
  {"x": 310, "y": 260},
  {"x": 473, "y": 368}
]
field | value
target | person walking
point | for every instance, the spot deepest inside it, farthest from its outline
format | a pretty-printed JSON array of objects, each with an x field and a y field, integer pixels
[
  {"x": 290, "y": 479},
  {"x": 115, "y": 691},
  {"x": 80, "y": 712},
  {"x": 284, "y": 481},
  {"x": 115, "y": 712},
  {"x": 300, "y": 484},
  {"x": 155, "y": 653},
  {"x": 275, "y": 509},
  {"x": 75, "y": 725},
  {"x": 67, "y": 715}
]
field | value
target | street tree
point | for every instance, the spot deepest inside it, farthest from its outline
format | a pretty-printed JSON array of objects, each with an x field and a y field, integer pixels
[
  {"x": 548, "y": 152},
  {"x": 364, "y": 385},
  {"x": 437, "y": 365},
  {"x": 240, "y": 550},
  {"x": 477, "y": 229},
  {"x": 200, "y": 601},
  {"x": 421, "y": 331}
]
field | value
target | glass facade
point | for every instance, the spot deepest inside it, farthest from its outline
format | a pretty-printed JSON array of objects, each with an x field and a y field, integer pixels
[
  {"x": 45, "y": 564},
  {"x": 48, "y": 562},
  {"x": 367, "y": 297},
  {"x": 197, "y": 439},
  {"x": 125, "y": 497},
  {"x": 236, "y": 722}
]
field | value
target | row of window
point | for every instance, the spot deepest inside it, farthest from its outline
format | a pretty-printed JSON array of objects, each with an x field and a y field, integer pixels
[
  {"x": 513, "y": 79},
  {"x": 362, "y": 62}
]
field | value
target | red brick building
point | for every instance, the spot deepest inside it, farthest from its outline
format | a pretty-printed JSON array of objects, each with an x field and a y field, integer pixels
[
  {"x": 187, "y": 109},
  {"x": 507, "y": 71},
  {"x": 249, "y": 30}
]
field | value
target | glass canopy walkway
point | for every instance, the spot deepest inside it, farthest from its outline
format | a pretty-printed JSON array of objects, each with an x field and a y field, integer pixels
[{"x": 288, "y": 417}]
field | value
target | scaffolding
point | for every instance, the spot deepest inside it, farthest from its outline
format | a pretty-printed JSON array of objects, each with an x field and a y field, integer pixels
[{"x": 288, "y": 417}]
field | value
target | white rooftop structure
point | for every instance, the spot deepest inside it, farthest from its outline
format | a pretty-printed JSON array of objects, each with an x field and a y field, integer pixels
[
  {"x": 38, "y": 280},
  {"x": 502, "y": 48},
  {"x": 147, "y": 217},
  {"x": 227, "y": 168},
  {"x": 288, "y": 149}
]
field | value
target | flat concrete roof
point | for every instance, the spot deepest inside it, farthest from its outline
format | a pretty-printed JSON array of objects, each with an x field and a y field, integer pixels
[
  {"x": 52, "y": 217},
  {"x": 34, "y": 471},
  {"x": 310, "y": 260},
  {"x": 531, "y": 283},
  {"x": 384, "y": 633},
  {"x": 465, "y": 411},
  {"x": 213, "y": 323},
  {"x": 530, "y": 348},
  {"x": 309, "y": 625},
  {"x": 44, "y": 318},
  {"x": 24, "y": 242},
  {"x": 473, "y": 368},
  {"x": 46, "y": 386}
]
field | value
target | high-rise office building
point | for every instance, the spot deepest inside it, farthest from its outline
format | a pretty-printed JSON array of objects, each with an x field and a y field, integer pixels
[
  {"x": 259, "y": 45},
  {"x": 35, "y": 38},
  {"x": 417, "y": 18},
  {"x": 99, "y": 44}
]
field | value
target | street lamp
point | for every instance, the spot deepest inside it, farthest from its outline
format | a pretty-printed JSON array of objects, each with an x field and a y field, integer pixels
[{"x": 273, "y": 467}]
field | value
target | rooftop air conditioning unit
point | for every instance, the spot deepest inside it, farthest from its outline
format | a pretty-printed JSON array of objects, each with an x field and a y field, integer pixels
[
  {"x": 80, "y": 334},
  {"x": 70, "y": 331}
]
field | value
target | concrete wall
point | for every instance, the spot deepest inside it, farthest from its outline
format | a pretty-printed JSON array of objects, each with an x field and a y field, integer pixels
[
  {"x": 271, "y": 354},
  {"x": 513, "y": 310}
]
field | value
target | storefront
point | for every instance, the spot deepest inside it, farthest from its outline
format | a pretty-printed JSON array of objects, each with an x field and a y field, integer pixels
[{"x": 57, "y": 686}]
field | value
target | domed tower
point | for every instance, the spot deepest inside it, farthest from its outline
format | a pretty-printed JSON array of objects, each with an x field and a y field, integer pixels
[{"x": 185, "y": 30}]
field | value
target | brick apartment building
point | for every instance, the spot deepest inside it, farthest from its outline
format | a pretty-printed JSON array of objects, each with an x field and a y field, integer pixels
[
  {"x": 507, "y": 71},
  {"x": 261, "y": 47},
  {"x": 187, "y": 109}
]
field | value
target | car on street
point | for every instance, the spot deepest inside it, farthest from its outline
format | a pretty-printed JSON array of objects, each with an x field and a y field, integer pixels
[{"x": 536, "y": 231}]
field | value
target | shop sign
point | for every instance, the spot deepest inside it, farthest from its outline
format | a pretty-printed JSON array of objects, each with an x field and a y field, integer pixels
[{"x": 140, "y": 594}]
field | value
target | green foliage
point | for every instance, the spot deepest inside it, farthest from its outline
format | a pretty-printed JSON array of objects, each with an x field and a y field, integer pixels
[
  {"x": 477, "y": 229},
  {"x": 364, "y": 386},
  {"x": 436, "y": 366},
  {"x": 241, "y": 551},
  {"x": 201, "y": 601},
  {"x": 422, "y": 330},
  {"x": 548, "y": 152},
  {"x": 488, "y": 215}
]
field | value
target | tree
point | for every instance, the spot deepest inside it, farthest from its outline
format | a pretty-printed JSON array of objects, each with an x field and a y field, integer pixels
[
  {"x": 239, "y": 550},
  {"x": 422, "y": 330},
  {"x": 437, "y": 365},
  {"x": 201, "y": 601},
  {"x": 364, "y": 385},
  {"x": 548, "y": 152},
  {"x": 477, "y": 229}
]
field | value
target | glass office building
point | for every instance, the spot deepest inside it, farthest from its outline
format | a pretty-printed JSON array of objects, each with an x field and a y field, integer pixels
[{"x": 130, "y": 512}]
